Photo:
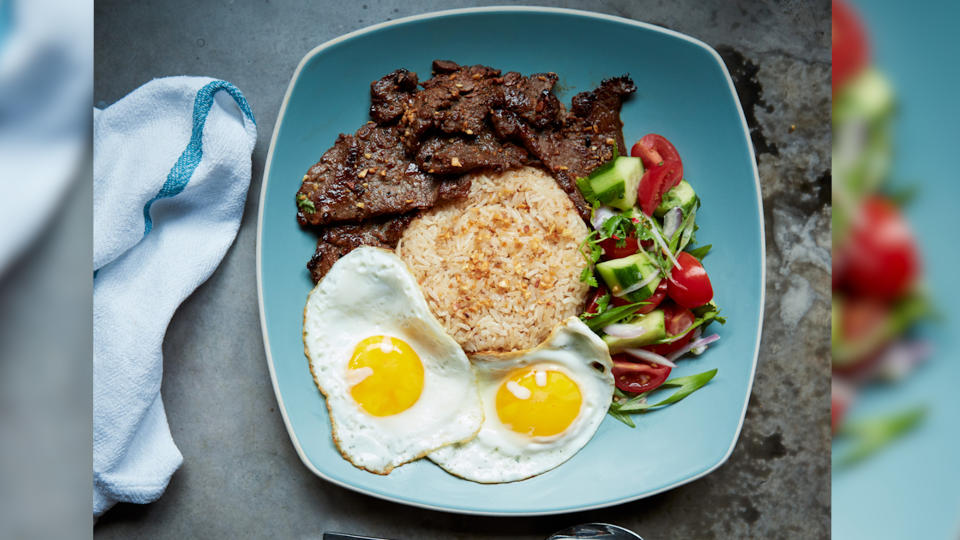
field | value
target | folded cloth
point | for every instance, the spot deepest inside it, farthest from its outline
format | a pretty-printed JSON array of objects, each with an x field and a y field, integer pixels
[
  {"x": 171, "y": 171},
  {"x": 46, "y": 85}
]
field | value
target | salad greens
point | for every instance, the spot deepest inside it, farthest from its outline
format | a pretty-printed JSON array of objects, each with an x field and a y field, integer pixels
[{"x": 624, "y": 404}]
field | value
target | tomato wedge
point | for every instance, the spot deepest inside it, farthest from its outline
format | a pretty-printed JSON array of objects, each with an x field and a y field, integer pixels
[
  {"x": 677, "y": 320},
  {"x": 655, "y": 298},
  {"x": 637, "y": 377},
  {"x": 655, "y": 182},
  {"x": 689, "y": 283},
  {"x": 880, "y": 258},
  {"x": 850, "y": 54},
  {"x": 612, "y": 251},
  {"x": 664, "y": 170},
  {"x": 654, "y": 149}
]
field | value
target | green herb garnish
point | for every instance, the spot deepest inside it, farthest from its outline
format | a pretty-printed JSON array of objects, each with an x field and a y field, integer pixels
[
  {"x": 613, "y": 315},
  {"x": 305, "y": 205},
  {"x": 687, "y": 385},
  {"x": 700, "y": 252},
  {"x": 602, "y": 303},
  {"x": 619, "y": 227},
  {"x": 591, "y": 251}
]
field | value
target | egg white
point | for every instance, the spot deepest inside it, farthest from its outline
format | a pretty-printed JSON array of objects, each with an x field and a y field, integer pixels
[
  {"x": 498, "y": 454},
  {"x": 371, "y": 292}
]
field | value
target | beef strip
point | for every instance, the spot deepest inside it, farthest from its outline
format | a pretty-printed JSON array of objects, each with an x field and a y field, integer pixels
[
  {"x": 337, "y": 240},
  {"x": 458, "y": 99},
  {"x": 462, "y": 153},
  {"x": 585, "y": 141},
  {"x": 455, "y": 100},
  {"x": 391, "y": 95},
  {"x": 367, "y": 174},
  {"x": 532, "y": 99}
]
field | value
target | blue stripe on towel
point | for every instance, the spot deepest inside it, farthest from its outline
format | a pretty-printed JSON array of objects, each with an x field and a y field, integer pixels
[{"x": 182, "y": 170}]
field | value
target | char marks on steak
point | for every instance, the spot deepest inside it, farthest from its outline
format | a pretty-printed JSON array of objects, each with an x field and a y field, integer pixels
[
  {"x": 367, "y": 174},
  {"x": 337, "y": 240},
  {"x": 460, "y": 153},
  {"x": 391, "y": 95},
  {"x": 420, "y": 144}
]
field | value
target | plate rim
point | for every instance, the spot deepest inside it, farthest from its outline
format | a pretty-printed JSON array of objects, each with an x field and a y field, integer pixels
[{"x": 502, "y": 9}]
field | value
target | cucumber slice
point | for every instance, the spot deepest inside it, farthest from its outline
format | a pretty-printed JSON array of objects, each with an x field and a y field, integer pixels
[
  {"x": 681, "y": 195},
  {"x": 615, "y": 185},
  {"x": 654, "y": 329},
  {"x": 625, "y": 273}
]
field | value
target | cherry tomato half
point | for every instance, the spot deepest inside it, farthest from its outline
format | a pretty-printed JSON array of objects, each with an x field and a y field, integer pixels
[
  {"x": 880, "y": 256},
  {"x": 612, "y": 251},
  {"x": 655, "y": 182},
  {"x": 637, "y": 377},
  {"x": 664, "y": 169},
  {"x": 850, "y": 53},
  {"x": 689, "y": 284},
  {"x": 677, "y": 320},
  {"x": 654, "y": 149},
  {"x": 654, "y": 299}
]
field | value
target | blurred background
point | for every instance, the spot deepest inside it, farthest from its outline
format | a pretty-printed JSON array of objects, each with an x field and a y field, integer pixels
[
  {"x": 46, "y": 82},
  {"x": 895, "y": 404}
]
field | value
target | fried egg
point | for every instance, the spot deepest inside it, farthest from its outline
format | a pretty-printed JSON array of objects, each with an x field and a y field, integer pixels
[
  {"x": 541, "y": 406},
  {"x": 396, "y": 385}
]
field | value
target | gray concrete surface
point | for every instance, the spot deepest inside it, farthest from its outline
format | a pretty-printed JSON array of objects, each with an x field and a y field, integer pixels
[{"x": 241, "y": 477}]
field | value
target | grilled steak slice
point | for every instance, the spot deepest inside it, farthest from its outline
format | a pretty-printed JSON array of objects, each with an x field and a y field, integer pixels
[
  {"x": 455, "y": 100},
  {"x": 338, "y": 240},
  {"x": 367, "y": 174},
  {"x": 391, "y": 95},
  {"x": 458, "y": 99},
  {"x": 585, "y": 141},
  {"x": 532, "y": 99},
  {"x": 461, "y": 153}
]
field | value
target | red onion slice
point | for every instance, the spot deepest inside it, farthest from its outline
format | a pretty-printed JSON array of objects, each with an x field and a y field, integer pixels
[
  {"x": 702, "y": 342},
  {"x": 659, "y": 239},
  {"x": 600, "y": 216},
  {"x": 651, "y": 357},
  {"x": 672, "y": 221}
]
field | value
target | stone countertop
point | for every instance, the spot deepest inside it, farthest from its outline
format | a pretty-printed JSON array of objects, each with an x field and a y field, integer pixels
[{"x": 241, "y": 476}]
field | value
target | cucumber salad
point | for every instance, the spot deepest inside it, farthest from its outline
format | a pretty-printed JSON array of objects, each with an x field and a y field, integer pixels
[{"x": 652, "y": 299}]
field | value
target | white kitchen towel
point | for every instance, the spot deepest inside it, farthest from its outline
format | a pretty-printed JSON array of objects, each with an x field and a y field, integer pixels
[{"x": 171, "y": 170}]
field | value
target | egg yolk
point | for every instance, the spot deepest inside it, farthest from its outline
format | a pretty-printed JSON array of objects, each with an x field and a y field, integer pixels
[
  {"x": 385, "y": 374},
  {"x": 538, "y": 402}
]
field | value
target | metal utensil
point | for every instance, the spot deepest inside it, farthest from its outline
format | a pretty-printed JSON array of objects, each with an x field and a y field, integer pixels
[{"x": 595, "y": 531}]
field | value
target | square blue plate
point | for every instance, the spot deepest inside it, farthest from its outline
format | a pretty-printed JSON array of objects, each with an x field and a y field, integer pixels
[{"x": 684, "y": 93}]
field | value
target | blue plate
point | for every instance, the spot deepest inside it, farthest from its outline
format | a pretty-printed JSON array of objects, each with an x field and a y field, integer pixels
[
  {"x": 688, "y": 97},
  {"x": 911, "y": 489}
]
